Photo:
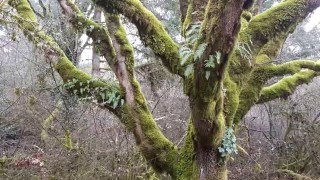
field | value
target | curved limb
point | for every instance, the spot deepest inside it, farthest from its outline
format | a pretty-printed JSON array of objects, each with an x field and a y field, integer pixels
[
  {"x": 56, "y": 57},
  {"x": 286, "y": 85},
  {"x": 155, "y": 147},
  {"x": 136, "y": 116},
  {"x": 282, "y": 18},
  {"x": 151, "y": 31},
  {"x": 255, "y": 92}
]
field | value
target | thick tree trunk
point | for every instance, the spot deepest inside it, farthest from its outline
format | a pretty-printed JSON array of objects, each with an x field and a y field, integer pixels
[
  {"x": 199, "y": 162},
  {"x": 209, "y": 165}
]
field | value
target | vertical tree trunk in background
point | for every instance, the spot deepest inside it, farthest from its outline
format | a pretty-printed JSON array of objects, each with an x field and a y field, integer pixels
[{"x": 95, "y": 55}]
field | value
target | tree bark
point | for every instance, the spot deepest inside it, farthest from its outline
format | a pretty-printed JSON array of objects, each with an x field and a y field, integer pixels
[{"x": 95, "y": 55}]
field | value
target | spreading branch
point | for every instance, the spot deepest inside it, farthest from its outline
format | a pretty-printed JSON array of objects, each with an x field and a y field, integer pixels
[
  {"x": 135, "y": 114},
  {"x": 55, "y": 55},
  {"x": 286, "y": 86},
  {"x": 151, "y": 31},
  {"x": 282, "y": 18},
  {"x": 296, "y": 72},
  {"x": 265, "y": 34}
]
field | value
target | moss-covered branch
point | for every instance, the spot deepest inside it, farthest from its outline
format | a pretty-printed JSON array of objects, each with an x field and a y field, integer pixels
[
  {"x": 48, "y": 121},
  {"x": 183, "y": 9},
  {"x": 265, "y": 34},
  {"x": 55, "y": 55},
  {"x": 249, "y": 92},
  {"x": 157, "y": 149},
  {"x": 194, "y": 13},
  {"x": 99, "y": 34},
  {"x": 253, "y": 91},
  {"x": 280, "y": 19},
  {"x": 294, "y": 67},
  {"x": 293, "y": 174},
  {"x": 150, "y": 29},
  {"x": 286, "y": 85}
]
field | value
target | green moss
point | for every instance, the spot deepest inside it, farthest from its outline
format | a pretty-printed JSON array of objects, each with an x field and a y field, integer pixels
[
  {"x": 32, "y": 100},
  {"x": 219, "y": 130},
  {"x": 286, "y": 86},
  {"x": 231, "y": 100},
  {"x": 68, "y": 71},
  {"x": 187, "y": 168},
  {"x": 151, "y": 31},
  {"x": 154, "y": 146},
  {"x": 277, "y": 20},
  {"x": 188, "y": 18},
  {"x": 250, "y": 92},
  {"x": 125, "y": 46},
  {"x": 270, "y": 50},
  {"x": 121, "y": 37},
  {"x": 239, "y": 68},
  {"x": 296, "y": 65},
  {"x": 47, "y": 123},
  {"x": 4, "y": 162},
  {"x": 68, "y": 140},
  {"x": 28, "y": 18}
]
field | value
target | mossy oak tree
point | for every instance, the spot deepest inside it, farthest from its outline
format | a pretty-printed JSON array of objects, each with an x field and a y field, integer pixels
[{"x": 225, "y": 63}]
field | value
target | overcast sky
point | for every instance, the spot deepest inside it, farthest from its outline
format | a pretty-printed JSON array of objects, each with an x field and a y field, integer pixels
[{"x": 314, "y": 20}]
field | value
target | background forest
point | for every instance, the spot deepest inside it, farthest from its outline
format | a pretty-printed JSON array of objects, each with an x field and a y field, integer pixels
[{"x": 46, "y": 133}]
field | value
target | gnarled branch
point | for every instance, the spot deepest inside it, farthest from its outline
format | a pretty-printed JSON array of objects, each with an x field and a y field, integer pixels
[
  {"x": 150, "y": 29},
  {"x": 299, "y": 71},
  {"x": 286, "y": 85},
  {"x": 282, "y": 18},
  {"x": 55, "y": 55},
  {"x": 157, "y": 149}
]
